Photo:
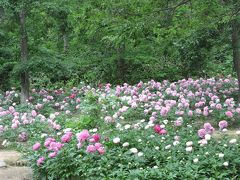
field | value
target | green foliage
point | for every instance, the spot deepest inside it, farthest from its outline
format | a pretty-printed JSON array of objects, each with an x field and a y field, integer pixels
[{"x": 116, "y": 41}]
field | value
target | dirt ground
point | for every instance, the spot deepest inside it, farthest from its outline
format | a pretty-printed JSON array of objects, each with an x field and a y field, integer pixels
[{"x": 12, "y": 171}]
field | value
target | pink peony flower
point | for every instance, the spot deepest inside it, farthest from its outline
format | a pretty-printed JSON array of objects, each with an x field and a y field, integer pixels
[
  {"x": 82, "y": 136},
  {"x": 223, "y": 124},
  {"x": 96, "y": 137},
  {"x": 40, "y": 161},
  {"x": 207, "y": 126},
  {"x": 36, "y": 146},
  {"x": 178, "y": 123},
  {"x": 190, "y": 113},
  {"x": 66, "y": 137},
  {"x": 97, "y": 145},
  {"x": 157, "y": 128},
  {"x": 108, "y": 119},
  {"x": 163, "y": 131},
  {"x": 229, "y": 114},
  {"x": 48, "y": 141},
  {"x": 34, "y": 113},
  {"x": 91, "y": 148},
  {"x": 202, "y": 133},
  {"x": 52, "y": 155},
  {"x": 55, "y": 146},
  {"x": 101, "y": 150}
]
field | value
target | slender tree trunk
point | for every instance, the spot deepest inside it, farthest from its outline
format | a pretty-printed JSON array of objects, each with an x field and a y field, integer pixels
[
  {"x": 24, "y": 76},
  {"x": 236, "y": 50}
]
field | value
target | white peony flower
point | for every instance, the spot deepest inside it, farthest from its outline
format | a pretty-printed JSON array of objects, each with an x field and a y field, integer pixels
[
  {"x": 189, "y": 149},
  {"x": 140, "y": 154},
  {"x": 116, "y": 140},
  {"x": 224, "y": 130},
  {"x": 162, "y": 126},
  {"x": 94, "y": 130},
  {"x": 127, "y": 126},
  {"x": 125, "y": 144},
  {"x": 176, "y": 143},
  {"x": 165, "y": 121},
  {"x": 225, "y": 163},
  {"x": 238, "y": 132},
  {"x": 67, "y": 130},
  {"x": 232, "y": 141},
  {"x": 195, "y": 160},
  {"x": 220, "y": 155},
  {"x": 134, "y": 150},
  {"x": 207, "y": 137},
  {"x": 168, "y": 146},
  {"x": 189, "y": 143}
]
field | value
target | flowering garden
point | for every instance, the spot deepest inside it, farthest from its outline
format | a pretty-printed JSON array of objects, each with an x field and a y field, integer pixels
[{"x": 155, "y": 130}]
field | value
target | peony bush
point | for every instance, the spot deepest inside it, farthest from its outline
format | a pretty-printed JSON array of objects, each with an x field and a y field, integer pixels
[{"x": 181, "y": 130}]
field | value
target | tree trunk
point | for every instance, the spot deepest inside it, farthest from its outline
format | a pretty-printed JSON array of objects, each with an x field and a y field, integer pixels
[
  {"x": 236, "y": 50},
  {"x": 24, "y": 57}
]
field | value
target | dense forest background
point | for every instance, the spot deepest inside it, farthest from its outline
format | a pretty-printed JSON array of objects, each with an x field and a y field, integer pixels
[{"x": 116, "y": 41}]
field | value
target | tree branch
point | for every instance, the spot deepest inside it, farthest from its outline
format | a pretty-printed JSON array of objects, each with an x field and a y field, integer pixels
[{"x": 173, "y": 8}]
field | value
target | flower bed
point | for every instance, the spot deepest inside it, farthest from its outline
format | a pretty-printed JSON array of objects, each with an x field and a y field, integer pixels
[{"x": 151, "y": 130}]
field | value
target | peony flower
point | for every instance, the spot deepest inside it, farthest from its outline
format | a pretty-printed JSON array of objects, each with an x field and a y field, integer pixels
[
  {"x": 40, "y": 161},
  {"x": 202, "y": 142},
  {"x": 66, "y": 137},
  {"x": 101, "y": 150},
  {"x": 202, "y": 133},
  {"x": 83, "y": 135},
  {"x": 125, "y": 144},
  {"x": 232, "y": 141},
  {"x": 140, "y": 154},
  {"x": 52, "y": 155},
  {"x": 163, "y": 131},
  {"x": 189, "y": 149},
  {"x": 116, "y": 140},
  {"x": 229, "y": 114},
  {"x": 195, "y": 160},
  {"x": 157, "y": 128},
  {"x": 168, "y": 146},
  {"x": 223, "y": 124},
  {"x": 176, "y": 143},
  {"x": 225, "y": 164},
  {"x": 127, "y": 126},
  {"x": 48, "y": 141},
  {"x": 207, "y": 137},
  {"x": 108, "y": 119},
  {"x": 207, "y": 126},
  {"x": 189, "y": 143},
  {"x": 91, "y": 148},
  {"x": 98, "y": 145},
  {"x": 95, "y": 138},
  {"x": 134, "y": 150},
  {"x": 220, "y": 155},
  {"x": 36, "y": 146}
]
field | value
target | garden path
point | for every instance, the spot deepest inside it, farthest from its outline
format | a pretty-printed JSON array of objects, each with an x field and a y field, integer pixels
[{"x": 10, "y": 168}]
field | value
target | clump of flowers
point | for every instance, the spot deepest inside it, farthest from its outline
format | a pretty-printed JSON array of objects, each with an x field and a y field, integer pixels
[
  {"x": 223, "y": 124},
  {"x": 92, "y": 141},
  {"x": 207, "y": 129},
  {"x": 158, "y": 129}
]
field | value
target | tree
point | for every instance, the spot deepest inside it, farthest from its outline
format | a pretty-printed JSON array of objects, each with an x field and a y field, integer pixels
[{"x": 24, "y": 76}]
